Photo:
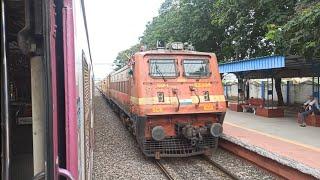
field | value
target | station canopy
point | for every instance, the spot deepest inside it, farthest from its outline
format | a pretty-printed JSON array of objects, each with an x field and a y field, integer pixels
[{"x": 272, "y": 66}]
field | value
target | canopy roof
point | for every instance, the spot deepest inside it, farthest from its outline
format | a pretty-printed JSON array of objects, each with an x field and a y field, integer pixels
[{"x": 272, "y": 66}]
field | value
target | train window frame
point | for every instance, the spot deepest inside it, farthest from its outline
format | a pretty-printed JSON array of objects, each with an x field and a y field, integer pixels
[
  {"x": 208, "y": 74},
  {"x": 174, "y": 60}
]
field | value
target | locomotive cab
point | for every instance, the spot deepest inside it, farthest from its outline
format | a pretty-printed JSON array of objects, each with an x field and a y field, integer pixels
[{"x": 177, "y": 102}]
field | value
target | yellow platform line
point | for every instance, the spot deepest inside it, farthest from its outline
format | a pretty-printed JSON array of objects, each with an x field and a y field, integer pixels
[{"x": 275, "y": 137}]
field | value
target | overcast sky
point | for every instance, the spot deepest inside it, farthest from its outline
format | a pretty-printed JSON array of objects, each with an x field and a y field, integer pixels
[{"x": 115, "y": 26}]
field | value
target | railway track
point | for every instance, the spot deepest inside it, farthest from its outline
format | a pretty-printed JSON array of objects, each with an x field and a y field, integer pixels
[
  {"x": 167, "y": 174},
  {"x": 210, "y": 161},
  {"x": 163, "y": 169}
]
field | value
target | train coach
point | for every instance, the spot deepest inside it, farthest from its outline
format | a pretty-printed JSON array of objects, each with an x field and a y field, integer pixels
[
  {"x": 46, "y": 91},
  {"x": 171, "y": 99}
]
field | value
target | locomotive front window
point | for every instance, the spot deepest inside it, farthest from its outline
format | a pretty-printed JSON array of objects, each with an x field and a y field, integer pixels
[
  {"x": 163, "y": 68},
  {"x": 196, "y": 68}
]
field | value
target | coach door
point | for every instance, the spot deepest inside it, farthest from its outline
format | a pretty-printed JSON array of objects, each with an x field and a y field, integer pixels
[
  {"x": 62, "y": 127},
  {"x": 71, "y": 134}
]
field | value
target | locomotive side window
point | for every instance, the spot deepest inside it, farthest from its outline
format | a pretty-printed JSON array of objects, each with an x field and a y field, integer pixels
[
  {"x": 163, "y": 68},
  {"x": 196, "y": 68}
]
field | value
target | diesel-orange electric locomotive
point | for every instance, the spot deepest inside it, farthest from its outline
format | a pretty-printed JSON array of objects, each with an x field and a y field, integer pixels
[{"x": 171, "y": 99}]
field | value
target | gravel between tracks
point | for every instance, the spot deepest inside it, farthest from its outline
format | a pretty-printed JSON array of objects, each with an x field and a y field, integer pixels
[
  {"x": 116, "y": 154},
  {"x": 240, "y": 167},
  {"x": 193, "y": 168}
]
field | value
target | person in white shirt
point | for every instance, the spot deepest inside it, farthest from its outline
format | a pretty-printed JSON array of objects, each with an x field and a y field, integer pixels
[{"x": 310, "y": 106}]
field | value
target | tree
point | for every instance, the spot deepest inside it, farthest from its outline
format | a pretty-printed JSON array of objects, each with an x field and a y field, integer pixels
[
  {"x": 123, "y": 56},
  {"x": 239, "y": 29},
  {"x": 183, "y": 21},
  {"x": 300, "y": 34}
]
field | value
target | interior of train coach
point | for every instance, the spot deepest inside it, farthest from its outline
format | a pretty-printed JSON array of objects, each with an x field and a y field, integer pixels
[
  {"x": 23, "y": 141},
  {"x": 19, "y": 95}
]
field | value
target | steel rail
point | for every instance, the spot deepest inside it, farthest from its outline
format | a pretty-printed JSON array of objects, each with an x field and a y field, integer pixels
[
  {"x": 163, "y": 169},
  {"x": 229, "y": 173}
]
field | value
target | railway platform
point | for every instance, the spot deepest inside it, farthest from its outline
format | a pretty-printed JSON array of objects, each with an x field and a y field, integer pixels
[{"x": 278, "y": 139}]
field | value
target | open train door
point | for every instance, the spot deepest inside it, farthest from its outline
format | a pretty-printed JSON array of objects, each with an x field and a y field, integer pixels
[
  {"x": 71, "y": 126},
  {"x": 64, "y": 138}
]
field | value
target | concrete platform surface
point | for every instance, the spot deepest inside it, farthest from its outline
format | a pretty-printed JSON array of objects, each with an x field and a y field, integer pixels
[
  {"x": 285, "y": 128},
  {"x": 280, "y": 139}
]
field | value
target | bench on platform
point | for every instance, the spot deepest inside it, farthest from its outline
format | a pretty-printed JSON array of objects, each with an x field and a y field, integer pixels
[
  {"x": 253, "y": 104},
  {"x": 270, "y": 112},
  {"x": 235, "y": 107},
  {"x": 312, "y": 120}
]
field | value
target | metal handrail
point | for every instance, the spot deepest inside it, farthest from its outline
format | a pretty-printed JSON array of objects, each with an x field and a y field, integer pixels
[
  {"x": 5, "y": 131},
  {"x": 175, "y": 92},
  {"x": 193, "y": 89},
  {"x": 39, "y": 176},
  {"x": 65, "y": 173}
]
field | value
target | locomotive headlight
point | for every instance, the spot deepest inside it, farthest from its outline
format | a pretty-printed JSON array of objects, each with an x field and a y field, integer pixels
[
  {"x": 158, "y": 133},
  {"x": 216, "y": 129}
]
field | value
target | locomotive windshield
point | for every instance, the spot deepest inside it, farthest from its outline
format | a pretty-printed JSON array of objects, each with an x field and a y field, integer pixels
[
  {"x": 196, "y": 68},
  {"x": 163, "y": 68}
]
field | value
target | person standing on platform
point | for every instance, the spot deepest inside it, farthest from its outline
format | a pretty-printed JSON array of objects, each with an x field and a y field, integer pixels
[{"x": 310, "y": 106}]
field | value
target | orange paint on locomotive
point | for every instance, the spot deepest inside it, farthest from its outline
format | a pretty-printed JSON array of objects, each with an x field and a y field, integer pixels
[{"x": 174, "y": 96}]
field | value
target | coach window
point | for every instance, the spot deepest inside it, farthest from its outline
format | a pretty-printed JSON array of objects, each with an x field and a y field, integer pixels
[
  {"x": 162, "y": 68},
  {"x": 196, "y": 68}
]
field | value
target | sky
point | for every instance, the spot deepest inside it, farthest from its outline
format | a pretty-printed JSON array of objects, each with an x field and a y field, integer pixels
[{"x": 115, "y": 26}]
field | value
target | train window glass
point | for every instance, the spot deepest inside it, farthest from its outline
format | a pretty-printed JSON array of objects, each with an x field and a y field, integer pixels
[
  {"x": 163, "y": 68},
  {"x": 196, "y": 67}
]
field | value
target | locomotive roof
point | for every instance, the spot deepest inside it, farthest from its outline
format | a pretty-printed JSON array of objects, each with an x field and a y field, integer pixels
[
  {"x": 165, "y": 52},
  {"x": 174, "y": 52}
]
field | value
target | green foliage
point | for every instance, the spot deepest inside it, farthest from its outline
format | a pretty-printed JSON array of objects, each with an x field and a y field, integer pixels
[
  {"x": 184, "y": 21},
  {"x": 300, "y": 35},
  {"x": 237, "y": 29},
  {"x": 246, "y": 25},
  {"x": 123, "y": 56}
]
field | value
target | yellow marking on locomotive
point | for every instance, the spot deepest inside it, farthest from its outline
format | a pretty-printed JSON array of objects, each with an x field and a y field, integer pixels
[
  {"x": 208, "y": 107},
  {"x": 173, "y": 100},
  {"x": 213, "y": 98},
  {"x": 157, "y": 109},
  {"x": 202, "y": 85},
  {"x": 162, "y": 85}
]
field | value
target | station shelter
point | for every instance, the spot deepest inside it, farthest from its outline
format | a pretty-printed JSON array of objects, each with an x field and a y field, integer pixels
[{"x": 270, "y": 68}]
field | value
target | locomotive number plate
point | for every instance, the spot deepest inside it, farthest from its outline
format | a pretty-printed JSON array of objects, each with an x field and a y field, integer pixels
[
  {"x": 156, "y": 109},
  {"x": 208, "y": 107},
  {"x": 162, "y": 85}
]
